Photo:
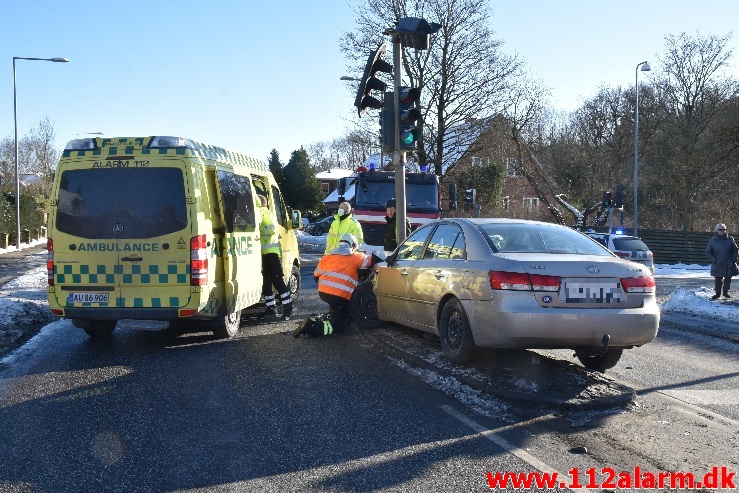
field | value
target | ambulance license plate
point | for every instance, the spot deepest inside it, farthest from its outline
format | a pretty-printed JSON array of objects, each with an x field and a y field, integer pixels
[{"x": 88, "y": 297}]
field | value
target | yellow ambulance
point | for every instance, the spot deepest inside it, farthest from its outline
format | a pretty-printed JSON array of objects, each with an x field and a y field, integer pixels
[{"x": 161, "y": 228}]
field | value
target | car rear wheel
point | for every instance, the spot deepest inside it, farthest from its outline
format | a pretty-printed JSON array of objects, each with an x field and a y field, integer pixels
[
  {"x": 599, "y": 362},
  {"x": 455, "y": 334},
  {"x": 317, "y": 231},
  {"x": 98, "y": 329},
  {"x": 363, "y": 307}
]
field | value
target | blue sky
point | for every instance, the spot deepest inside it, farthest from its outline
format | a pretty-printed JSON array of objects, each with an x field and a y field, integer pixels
[{"x": 251, "y": 76}]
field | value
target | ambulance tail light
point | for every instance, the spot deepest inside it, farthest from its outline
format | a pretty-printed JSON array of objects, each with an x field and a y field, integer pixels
[
  {"x": 50, "y": 260},
  {"x": 198, "y": 261}
]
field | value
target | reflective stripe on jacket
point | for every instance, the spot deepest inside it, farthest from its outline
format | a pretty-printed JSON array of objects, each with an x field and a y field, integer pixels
[
  {"x": 337, "y": 272},
  {"x": 268, "y": 232}
]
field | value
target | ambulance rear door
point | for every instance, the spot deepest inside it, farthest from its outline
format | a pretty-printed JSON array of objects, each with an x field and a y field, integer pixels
[{"x": 123, "y": 229}]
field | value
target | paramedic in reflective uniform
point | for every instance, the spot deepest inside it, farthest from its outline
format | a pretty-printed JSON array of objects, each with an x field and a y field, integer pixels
[
  {"x": 344, "y": 222},
  {"x": 271, "y": 264},
  {"x": 337, "y": 275}
]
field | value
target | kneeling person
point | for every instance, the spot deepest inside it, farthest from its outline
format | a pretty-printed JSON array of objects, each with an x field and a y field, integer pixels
[{"x": 337, "y": 275}]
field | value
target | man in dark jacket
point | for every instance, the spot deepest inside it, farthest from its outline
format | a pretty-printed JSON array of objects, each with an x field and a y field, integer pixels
[
  {"x": 391, "y": 239},
  {"x": 722, "y": 251}
]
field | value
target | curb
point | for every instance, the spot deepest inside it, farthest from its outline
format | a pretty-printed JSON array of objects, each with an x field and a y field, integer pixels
[{"x": 559, "y": 384}]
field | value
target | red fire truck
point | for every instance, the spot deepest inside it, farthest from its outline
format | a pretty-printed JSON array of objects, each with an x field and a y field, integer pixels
[{"x": 368, "y": 191}]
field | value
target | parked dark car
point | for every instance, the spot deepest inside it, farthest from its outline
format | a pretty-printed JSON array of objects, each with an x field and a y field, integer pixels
[{"x": 320, "y": 227}]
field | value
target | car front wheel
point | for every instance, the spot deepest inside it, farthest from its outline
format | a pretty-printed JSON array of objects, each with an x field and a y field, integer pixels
[
  {"x": 455, "y": 334},
  {"x": 599, "y": 362},
  {"x": 363, "y": 307}
]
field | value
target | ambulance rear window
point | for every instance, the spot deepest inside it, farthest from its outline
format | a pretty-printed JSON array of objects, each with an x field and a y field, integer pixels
[{"x": 113, "y": 203}]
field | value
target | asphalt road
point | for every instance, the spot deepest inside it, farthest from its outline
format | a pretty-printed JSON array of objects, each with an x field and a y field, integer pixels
[
  {"x": 15, "y": 264},
  {"x": 375, "y": 411}
]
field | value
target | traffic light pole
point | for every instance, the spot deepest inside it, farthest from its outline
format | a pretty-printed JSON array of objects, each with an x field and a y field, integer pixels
[{"x": 398, "y": 155}]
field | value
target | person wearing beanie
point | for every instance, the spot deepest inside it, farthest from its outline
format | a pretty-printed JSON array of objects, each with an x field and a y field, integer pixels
[{"x": 722, "y": 251}]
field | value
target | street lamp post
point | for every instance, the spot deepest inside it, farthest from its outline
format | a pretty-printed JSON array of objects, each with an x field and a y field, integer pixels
[
  {"x": 644, "y": 68},
  {"x": 17, "y": 174}
]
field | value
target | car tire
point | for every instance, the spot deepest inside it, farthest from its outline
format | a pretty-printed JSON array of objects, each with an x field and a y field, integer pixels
[
  {"x": 599, "y": 362},
  {"x": 226, "y": 326},
  {"x": 455, "y": 334},
  {"x": 293, "y": 283},
  {"x": 317, "y": 231},
  {"x": 363, "y": 307},
  {"x": 97, "y": 329}
]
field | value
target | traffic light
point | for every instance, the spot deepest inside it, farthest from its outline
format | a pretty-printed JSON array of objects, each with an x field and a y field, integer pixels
[
  {"x": 387, "y": 123},
  {"x": 607, "y": 199},
  {"x": 620, "y": 196},
  {"x": 410, "y": 117},
  {"x": 470, "y": 195},
  {"x": 369, "y": 82},
  {"x": 452, "y": 196}
]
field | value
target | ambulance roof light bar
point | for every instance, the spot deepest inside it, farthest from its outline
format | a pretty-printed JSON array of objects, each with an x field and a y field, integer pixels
[
  {"x": 85, "y": 144},
  {"x": 169, "y": 141}
]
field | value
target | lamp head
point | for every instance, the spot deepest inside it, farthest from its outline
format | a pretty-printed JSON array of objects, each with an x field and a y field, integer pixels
[
  {"x": 64, "y": 60},
  {"x": 645, "y": 67}
]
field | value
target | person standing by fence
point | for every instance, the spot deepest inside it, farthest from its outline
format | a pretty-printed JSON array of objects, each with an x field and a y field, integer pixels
[{"x": 722, "y": 251}]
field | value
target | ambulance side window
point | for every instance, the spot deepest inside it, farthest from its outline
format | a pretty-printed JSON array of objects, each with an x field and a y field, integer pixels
[
  {"x": 238, "y": 202},
  {"x": 279, "y": 206}
]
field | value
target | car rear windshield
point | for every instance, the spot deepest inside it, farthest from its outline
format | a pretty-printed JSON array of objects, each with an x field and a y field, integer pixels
[
  {"x": 537, "y": 238},
  {"x": 629, "y": 245},
  {"x": 112, "y": 203}
]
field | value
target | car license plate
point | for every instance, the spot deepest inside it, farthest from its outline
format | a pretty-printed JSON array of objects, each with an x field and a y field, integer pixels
[
  {"x": 593, "y": 292},
  {"x": 88, "y": 298}
]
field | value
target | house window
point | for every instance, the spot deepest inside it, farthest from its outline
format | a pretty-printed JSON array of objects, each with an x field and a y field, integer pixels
[
  {"x": 324, "y": 186},
  {"x": 530, "y": 203},
  {"x": 480, "y": 161},
  {"x": 513, "y": 167}
]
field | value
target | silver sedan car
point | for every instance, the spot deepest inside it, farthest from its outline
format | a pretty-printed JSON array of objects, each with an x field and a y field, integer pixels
[{"x": 507, "y": 283}]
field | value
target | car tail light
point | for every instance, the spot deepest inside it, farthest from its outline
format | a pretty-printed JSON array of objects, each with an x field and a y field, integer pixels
[
  {"x": 518, "y": 281},
  {"x": 622, "y": 254},
  {"x": 50, "y": 260},
  {"x": 650, "y": 255},
  {"x": 644, "y": 284},
  {"x": 198, "y": 261}
]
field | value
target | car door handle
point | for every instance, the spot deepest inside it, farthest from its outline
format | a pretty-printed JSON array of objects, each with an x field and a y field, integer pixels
[
  {"x": 438, "y": 274},
  {"x": 133, "y": 258},
  {"x": 404, "y": 272}
]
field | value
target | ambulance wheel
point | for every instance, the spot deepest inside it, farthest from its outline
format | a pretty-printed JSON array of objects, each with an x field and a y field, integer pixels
[
  {"x": 363, "y": 307},
  {"x": 293, "y": 283},
  {"x": 98, "y": 329},
  {"x": 227, "y": 326}
]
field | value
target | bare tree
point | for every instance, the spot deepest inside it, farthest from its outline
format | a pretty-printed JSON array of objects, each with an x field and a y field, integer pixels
[
  {"x": 696, "y": 151},
  {"x": 462, "y": 75}
]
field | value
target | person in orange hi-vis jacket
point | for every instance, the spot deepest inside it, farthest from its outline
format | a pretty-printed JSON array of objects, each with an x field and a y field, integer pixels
[{"x": 337, "y": 275}]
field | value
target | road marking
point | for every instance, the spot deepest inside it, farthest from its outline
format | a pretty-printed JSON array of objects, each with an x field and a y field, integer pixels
[
  {"x": 506, "y": 445},
  {"x": 727, "y": 397}
]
